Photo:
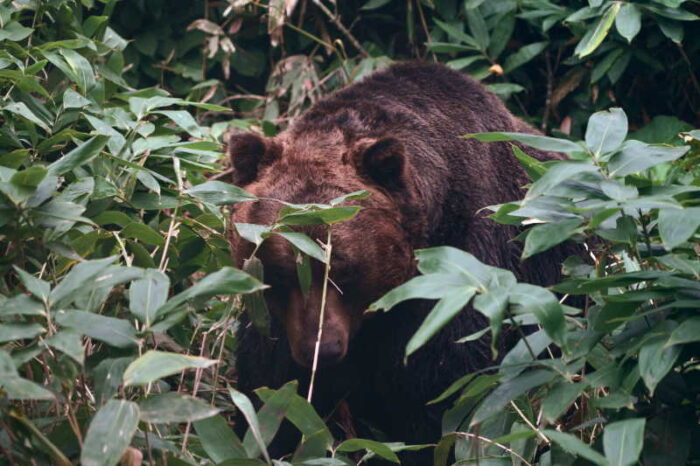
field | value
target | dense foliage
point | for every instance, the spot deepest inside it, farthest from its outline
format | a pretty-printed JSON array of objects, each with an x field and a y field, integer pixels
[{"x": 118, "y": 302}]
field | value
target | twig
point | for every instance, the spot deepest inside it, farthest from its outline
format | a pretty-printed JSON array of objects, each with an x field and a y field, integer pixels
[
  {"x": 424, "y": 23},
  {"x": 529, "y": 424},
  {"x": 195, "y": 389},
  {"x": 499, "y": 445},
  {"x": 693, "y": 79},
  {"x": 222, "y": 174},
  {"x": 319, "y": 335},
  {"x": 334, "y": 19}
]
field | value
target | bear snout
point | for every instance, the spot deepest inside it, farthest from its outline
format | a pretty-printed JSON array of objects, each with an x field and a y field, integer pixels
[
  {"x": 330, "y": 352},
  {"x": 301, "y": 319}
]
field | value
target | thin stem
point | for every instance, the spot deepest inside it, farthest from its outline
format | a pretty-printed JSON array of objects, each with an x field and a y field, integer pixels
[
  {"x": 426, "y": 30},
  {"x": 319, "y": 335},
  {"x": 647, "y": 241},
  {"x": 529, "y": 424},
  {"x": 334, "y": 19},
  {"x": 523, "y": 336},
  {"x": 499, "y": 445}
]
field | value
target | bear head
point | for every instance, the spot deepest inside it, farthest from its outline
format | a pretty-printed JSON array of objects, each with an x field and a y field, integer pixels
[{"x": 371, "y": 253}]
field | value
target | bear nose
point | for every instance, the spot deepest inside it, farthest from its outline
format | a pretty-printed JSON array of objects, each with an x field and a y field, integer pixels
[{"x": 330, "y": 353}]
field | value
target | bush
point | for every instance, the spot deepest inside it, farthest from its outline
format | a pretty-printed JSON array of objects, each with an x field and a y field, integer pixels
[
  {"x": 117, "y": 316},
  {"x": 620, "y": 372}
]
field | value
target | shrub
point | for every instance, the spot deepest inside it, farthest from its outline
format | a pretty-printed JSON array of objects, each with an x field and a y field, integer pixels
[{"x": 118, "y": 302}]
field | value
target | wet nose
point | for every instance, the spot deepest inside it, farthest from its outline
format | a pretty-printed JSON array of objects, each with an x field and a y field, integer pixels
[{"x": 330, "y": 353}]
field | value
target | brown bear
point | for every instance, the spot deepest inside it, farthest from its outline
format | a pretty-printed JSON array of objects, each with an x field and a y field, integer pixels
[{"x": 396, "y": 134}]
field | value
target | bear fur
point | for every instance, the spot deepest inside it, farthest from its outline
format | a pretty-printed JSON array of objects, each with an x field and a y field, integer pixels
[{"x": 396, "y": 134}]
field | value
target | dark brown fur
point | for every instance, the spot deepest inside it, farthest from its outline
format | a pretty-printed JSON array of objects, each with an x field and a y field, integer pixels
[{"x": 396, "y": 134}]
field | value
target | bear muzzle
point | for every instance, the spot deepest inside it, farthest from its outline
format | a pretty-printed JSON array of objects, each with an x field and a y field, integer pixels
[
  {"x": 301, "y": 322},
  {"x": 330, "y": 352}
]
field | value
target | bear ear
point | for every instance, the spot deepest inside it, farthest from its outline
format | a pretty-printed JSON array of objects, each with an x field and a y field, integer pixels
[
  {"x": 383, "y": 161},
  {"x": 249, "y": 152}
]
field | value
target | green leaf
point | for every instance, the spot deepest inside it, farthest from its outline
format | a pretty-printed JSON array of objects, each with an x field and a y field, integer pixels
[
  {"x": 256, "y": 234},
  {"x": 107, "y": 376},
  {"x": 663, "y": 129},
  {"x": 637, "y": 156},
  {"x": 534, "y": 168},
  {"x": 656, "y": 360},
  {"x": 143, "y": 233},
  {"x": 304, "y": 244},
  {"x": 36, "y": 286},
  {"x": 78, "y": 156},
  {"x": 374, "y": 4},
  {"x": 377, "y": 448},
  {"x": 505, "y": 89},
  {"x": 623, "y": 440},
  {"x": 148, "y": 180},
  {"x": 467, "y": 268},
  {"x": 677, "y": 14},
  {"x": 672, "y": 29},
  {"x": 246, "y": 408},
  {"x": 112, "y": 217},
  {"x": 115, "y": 332},
  {"x": 676, "y": 226},
  {"x": 220, "y": 193},
  {"x": 618, "y": 191},
  {"x": 184, "y": 120},
  {"x": 254, "y": 303},
  {"x": 16, "y": 387},
  {"x": 147, "y": 294},
  {"x": 225, "y": 281},
  {"x": 68, "y": 342},
  {"x": 80, "y": 275},
  {"x": 456, "y": 33},
  {"x": 519, "y": 357},
  {"x": 687, "y": 332},
  {"x": 320, "y": 217},
  {"x": 556, "y": 175},
  {"x": 559, "y": 398},
  {"x": 110, "y": 432},
  {"x": 523, "y": 55},
  {"x": 533, "y": 140},
  {"x": 82, "y": 71},
  {"x": 629, "y": 21},
  {"x": 543, "y": 237},
  {"x": 492, "y": 304},
  {"x": 606, "y": 131},
  {"x": 29, "y": 177},
  {"x": 507, "y": 391},
  {"x": 21, "y": 305},
  {"x": 478, "y": 28},
  {"x": 444, "y": 311},
  {"x": 594, "y": 37},
  {"x": 21, "y": 109},
  {"x": 575, "y": 446},
  {"x": 302, "y": 415},
  {"x": 154, "y": 365},
  {"x": 15, "y": 32},
  {"x": 72, "y": 99},
  {"x": 432, "y": 286},
  {"x": 11, "y": 332},
  {"x": 175, "y": 407},
  {"x": 151, "y": 201},
  {"x": 546, "y": 308},
  {"x": 218, "y": 440},
  {"x": 353, "y": 196},
  {"x": 270, "y": 417}
]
